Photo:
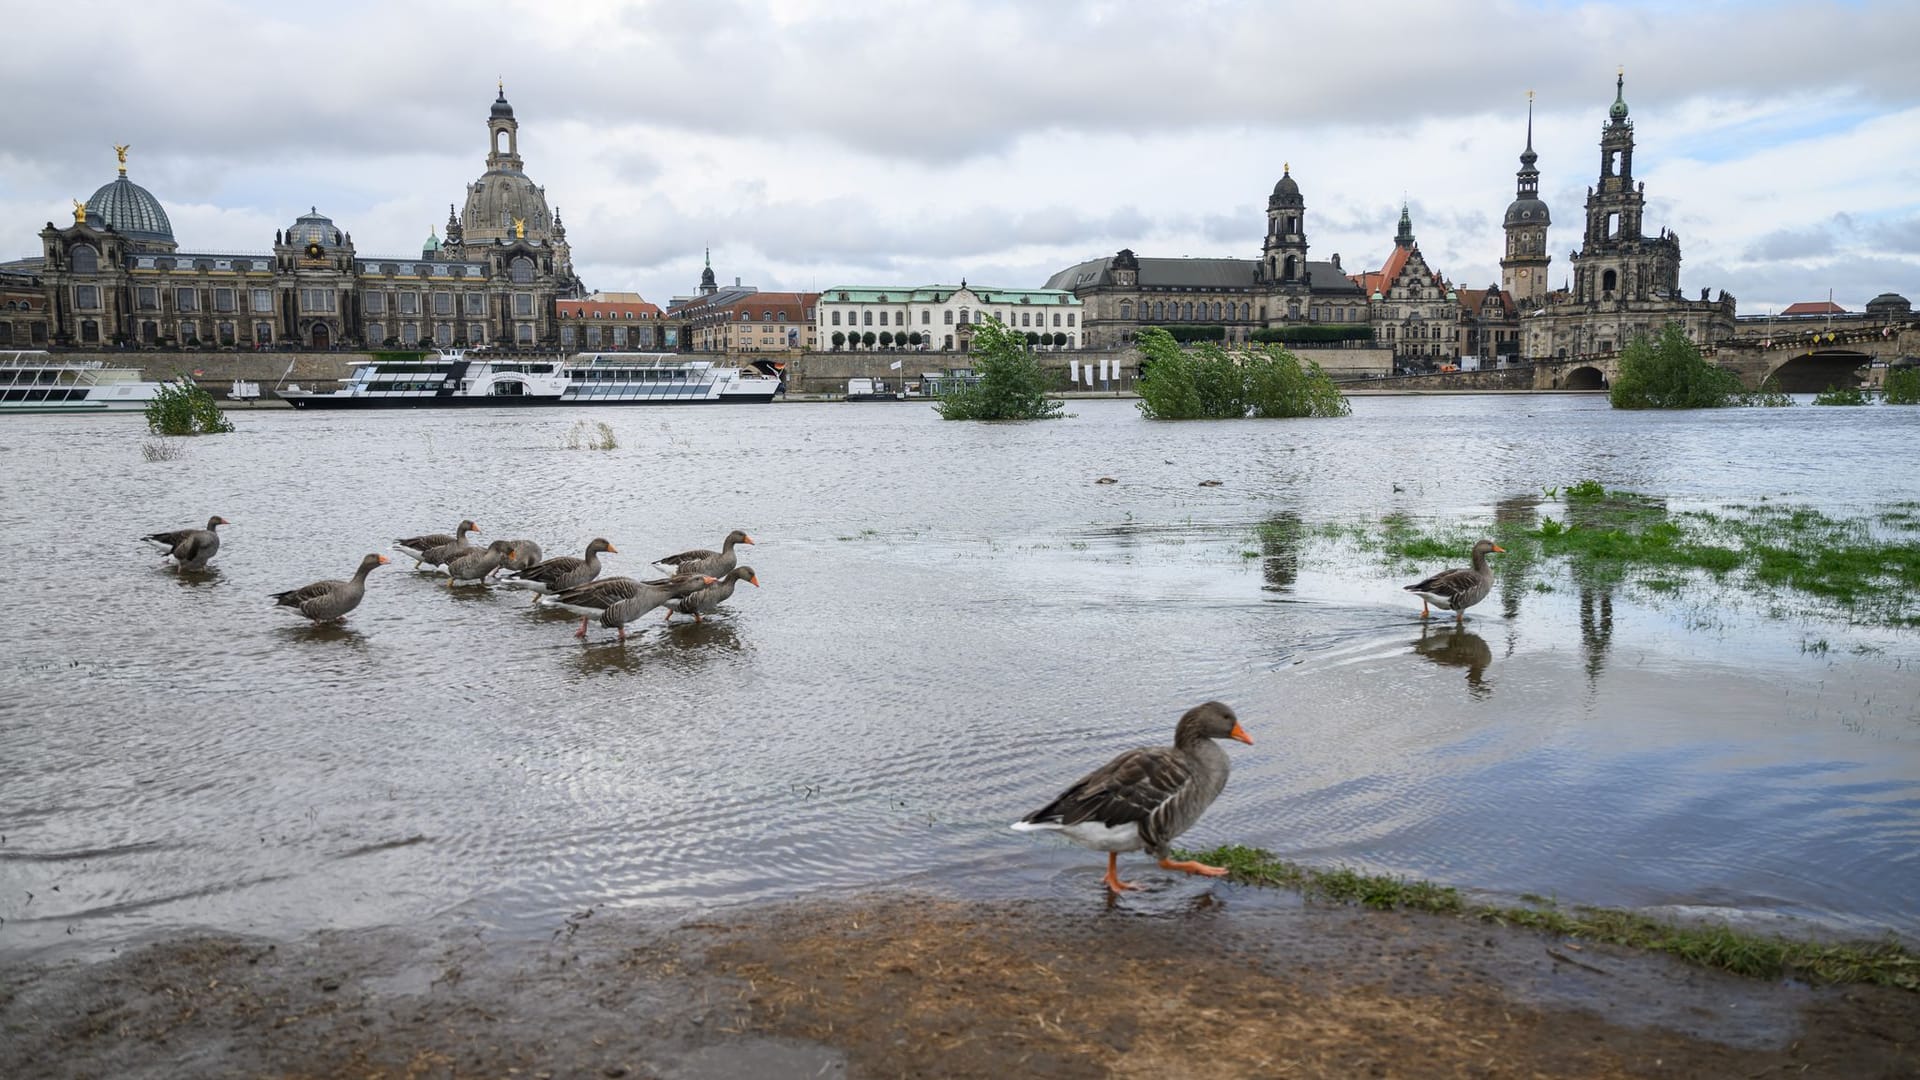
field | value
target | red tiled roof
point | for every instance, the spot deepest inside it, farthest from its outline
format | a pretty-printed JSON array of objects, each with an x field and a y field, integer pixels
[
  {"x": 790, "y": 305},
  {"x": 600, "y": 309},
  {"x": 1815, "y": 307}
]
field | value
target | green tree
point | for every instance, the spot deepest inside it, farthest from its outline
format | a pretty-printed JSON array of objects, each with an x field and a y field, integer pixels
[
  {"x": 867, "y": 339},
  {"x": 1903, "y": 386},
  {"x": 839, "y": 339},
  {"x": 913, "y": 338},
  {"x": 1668, "y": 372},
  {"x": 1012, "y": 384},
  {"x": 1207, "y": 382},
  {"x": 1840, "y": 395},
  {"x": 184, "y": 407}
]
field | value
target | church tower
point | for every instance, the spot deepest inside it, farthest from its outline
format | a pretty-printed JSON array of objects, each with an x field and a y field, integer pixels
[
  {"x": 1283, "y": 259},
  {"x": 1617, "y": 262},
  {"x": 1523, "y": 270},
  {"x": 708, "y": 286}
]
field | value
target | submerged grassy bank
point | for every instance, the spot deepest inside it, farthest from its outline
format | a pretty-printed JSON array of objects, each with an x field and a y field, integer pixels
[
  {"x": 1715, "y": 945},
  {"x": 1866, "y": 566}
]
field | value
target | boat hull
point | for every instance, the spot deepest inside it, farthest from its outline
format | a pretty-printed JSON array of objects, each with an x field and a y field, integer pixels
[{"x": 375, "y": 401}]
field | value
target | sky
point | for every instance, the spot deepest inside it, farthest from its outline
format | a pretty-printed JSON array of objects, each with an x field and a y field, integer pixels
[{"x": 908, "y": 143}]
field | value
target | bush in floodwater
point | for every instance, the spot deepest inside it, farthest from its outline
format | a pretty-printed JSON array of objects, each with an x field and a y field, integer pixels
[
  {"x": 155, "y": 450},
  {"x": 1012, "y": 384},
  {"x": 597, "y": 435},
  {"x": 1902, "y": 386},
  {"x": 185, "y": 408},
  {"x": 1668, "y": 372},
  {"x": 1209, "y": 383},
  {"x": 1769, "y": 396},
  {"x": 1586, "y": 490},
  {"x": 1840, "y": 395}
]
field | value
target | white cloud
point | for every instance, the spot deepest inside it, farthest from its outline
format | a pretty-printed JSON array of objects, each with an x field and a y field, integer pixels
[{"x": 811, "y": 144}]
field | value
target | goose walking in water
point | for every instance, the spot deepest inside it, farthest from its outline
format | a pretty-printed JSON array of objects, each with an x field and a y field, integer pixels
[
  {"x": 1459, "y": 589},
  {"x": 526, "y": 555},
  {"x": 325, "y": 601},
  {"x": 473, "y": 567},
  {"x": 417, "y": 547},
  {"x": 703, "y": 601},
  {"x": 562, "y": 572},
  {"x": 1143, "y": 799},
  {"x": 703, "y": 560},
  {"x": 190, "y": 548},
  {"x": 618, "y": 601}
]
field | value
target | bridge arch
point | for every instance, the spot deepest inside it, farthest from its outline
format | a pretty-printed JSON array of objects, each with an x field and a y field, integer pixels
[
  {"x": 1812, "y": 372},
  {"x": 1586, "y": 377}
]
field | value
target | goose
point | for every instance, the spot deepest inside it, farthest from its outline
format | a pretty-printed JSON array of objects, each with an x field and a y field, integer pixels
[
  {"x": 1459, "y": 589},
  {"x": 416, "y": 547},
  {"x": 324, "y": 601},
  {"x": 473, "y": 567},
  {"x": 562, "y": 572},
  {"x": 191, "y": 548},
  {"x": 704, "y": 601},
  {"x": 525, "y": 555},
  {"x": 703, "y": 561},
  {"x": 618, "y": 601},
  {"x": 1145, "y": 798}
]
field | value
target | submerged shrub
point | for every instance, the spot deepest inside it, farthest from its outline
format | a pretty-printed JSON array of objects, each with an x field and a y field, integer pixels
[
  {"x": 1668, "y": 372},
  {"x": 1012, "y": 384},
  {"x": 1903, "y": 386},
  {"x": 1209, "y": 383},
  {"x": 597, "y": 435},
  {"x": 185, "y": 408},
  {"x": 1769, "y": 395}
]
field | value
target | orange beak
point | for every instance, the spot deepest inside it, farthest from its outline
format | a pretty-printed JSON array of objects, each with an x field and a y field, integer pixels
[
  {"x": 747, "y": 540},
  {"x": 1240, "y": 733},
  {"x": 708, "y": 579},
  {"x": 611, "y": 550},
  {"x": 384, "y": 560},
  {"x": 1499, "y": 549},
  {"x": 754, "y": 581}
]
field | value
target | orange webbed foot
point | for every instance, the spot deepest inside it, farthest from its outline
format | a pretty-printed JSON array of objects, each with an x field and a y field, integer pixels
[{"x": 1194, "y": 868}]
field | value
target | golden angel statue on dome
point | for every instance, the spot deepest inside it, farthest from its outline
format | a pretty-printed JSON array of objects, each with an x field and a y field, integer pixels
[
  {"x": 519, "y": 228},
  {"x": 79, "y": 212}
]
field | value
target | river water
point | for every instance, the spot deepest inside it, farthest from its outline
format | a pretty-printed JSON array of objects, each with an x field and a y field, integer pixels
[{"x": 956, "y": 621}]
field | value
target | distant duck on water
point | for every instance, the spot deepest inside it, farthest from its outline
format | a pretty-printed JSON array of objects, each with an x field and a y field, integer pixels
[
  {"x": 325, "y": 601},
  {"x": 191, "y": 548}
]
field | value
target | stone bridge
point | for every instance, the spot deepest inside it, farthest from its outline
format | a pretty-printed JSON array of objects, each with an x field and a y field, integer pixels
[{"x": 1798, "y": 361}]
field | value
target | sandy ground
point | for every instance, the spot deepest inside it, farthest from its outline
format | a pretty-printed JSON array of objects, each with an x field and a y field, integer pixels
[{"x": 898, "y": 984}]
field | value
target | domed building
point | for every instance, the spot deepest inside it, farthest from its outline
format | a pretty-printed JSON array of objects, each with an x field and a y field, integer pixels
[{"x": 133, "y": 212}]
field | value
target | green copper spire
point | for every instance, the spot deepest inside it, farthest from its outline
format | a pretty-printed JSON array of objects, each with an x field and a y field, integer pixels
[
  {"x": 1619, "y": 110},
  {"x": 1404, "y": 237}
]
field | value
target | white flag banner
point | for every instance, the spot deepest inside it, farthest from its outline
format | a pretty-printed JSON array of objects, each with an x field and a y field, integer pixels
[
  {"x": 1088, "y": 370},
  {"x": 1073, "y": 371},
  {"x": 895, "y": 366},
  {"x": 1103, "y": 368}
]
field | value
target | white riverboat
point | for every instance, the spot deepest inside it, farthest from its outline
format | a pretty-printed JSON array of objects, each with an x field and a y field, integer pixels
[
  {"x": 39, "y": 382},
  {"x": 456, "y": 379}
]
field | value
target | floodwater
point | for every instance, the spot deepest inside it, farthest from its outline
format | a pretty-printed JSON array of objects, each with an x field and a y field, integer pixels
[{"x": 956, "y": 621}]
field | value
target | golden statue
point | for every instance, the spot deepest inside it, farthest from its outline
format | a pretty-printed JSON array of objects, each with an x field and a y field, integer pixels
[
  {"x": 121, "y": 150},
  {"x": 519, "y": 228},
  {"x": 79, "y": 212}
]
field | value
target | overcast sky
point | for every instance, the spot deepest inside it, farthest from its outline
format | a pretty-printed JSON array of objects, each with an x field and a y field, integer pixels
[{"x": 817, "y": 144}]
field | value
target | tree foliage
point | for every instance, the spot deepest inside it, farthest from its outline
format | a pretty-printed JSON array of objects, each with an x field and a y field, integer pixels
[
  {"x": 1012, "y": 384},
  {"x": 1903, "y": 386},
  {"x": 1207, "y": 382},
  {"x": 1668, "y": 372},
  {"x": 185, "y": 408},
  {"x": 1840, "y": 395}
]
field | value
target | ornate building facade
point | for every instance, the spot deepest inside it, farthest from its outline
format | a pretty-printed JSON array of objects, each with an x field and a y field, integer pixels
[
  {"x": 1625, "y": 283},
  {"x": 116, "y": 274},
  {"x": 1413, "y": 309},
  {"x": 1124, "y": 293},
  {"x": 941, "y": 318}
]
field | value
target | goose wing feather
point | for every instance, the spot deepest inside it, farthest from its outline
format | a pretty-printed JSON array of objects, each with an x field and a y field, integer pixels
[
  {"x": 1140, "y": 787},
  {"x": 1458, "y": 582}
]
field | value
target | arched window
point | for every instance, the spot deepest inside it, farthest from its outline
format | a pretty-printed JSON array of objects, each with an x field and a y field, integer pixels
[
  {"x": 746, "y": 316},
  {"x": 1159, "y": 310},
  {"x": 963, "y": 315},
  {"x": 1609, "y": 281},
  {"x": 949, "y": 316},
  {"x": 836, "y": 318},
  {"x": 766, "y": 316},
  {"x": 520, "y": 270},
  {"x": 84, "y": 259},
  {"x": 1126, "y": 309}
]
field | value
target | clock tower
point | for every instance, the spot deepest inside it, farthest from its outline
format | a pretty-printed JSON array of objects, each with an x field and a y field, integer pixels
[{"x": 1523, "y": 269}]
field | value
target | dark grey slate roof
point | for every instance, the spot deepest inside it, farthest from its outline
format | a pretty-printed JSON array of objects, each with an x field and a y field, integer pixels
[{"x": 1328, "y": 280}]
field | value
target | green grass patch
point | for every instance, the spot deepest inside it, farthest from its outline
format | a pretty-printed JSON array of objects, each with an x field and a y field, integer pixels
[{"x": 1715, "y": 945}]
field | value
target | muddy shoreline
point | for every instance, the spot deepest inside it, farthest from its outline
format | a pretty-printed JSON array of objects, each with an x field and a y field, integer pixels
[{"x": 904, "y": 984}]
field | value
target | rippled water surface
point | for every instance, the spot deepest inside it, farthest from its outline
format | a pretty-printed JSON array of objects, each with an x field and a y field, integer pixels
[{"x": 956, "y": 620}]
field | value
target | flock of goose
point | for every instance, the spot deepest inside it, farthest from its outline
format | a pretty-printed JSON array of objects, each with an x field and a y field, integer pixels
[
  {"x": 1139, "y": 801},
  {"x": 698, "y": 581}
]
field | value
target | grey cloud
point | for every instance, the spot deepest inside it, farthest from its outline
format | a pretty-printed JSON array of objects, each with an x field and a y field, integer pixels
[{"x": 1791, "y": 244}]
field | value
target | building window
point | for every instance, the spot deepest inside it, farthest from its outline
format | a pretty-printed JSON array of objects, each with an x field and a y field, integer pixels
[
  {"x": 409, "y": 303},
  {"x": 225, "y": 332},
  {"x": 443, "y": 334},
  {"x": 375, "y": 303},
  {"x": 525, "y": 333},
  {"x": 183, "y": 300},
  {"x": 520, "y": 270},
  {"x": 442, "y": 303},
  {"x": 926, "y": 317},
  {"x": 836, "y": 318},
  {"x": 949, "y": 343},
  {"x": 147, "y": 298},
  {"x": 318, "y": 300},
  {"x": 866, "y": 317},
  {"x": 1126, "y": 309},
  {"x": 376, "y": 334},
  {"x": 949, "y": 316},
  {"x": 409, "y": 333},
  {"x": 523, "y": 305},
  {"x": 476, "y": 332},
  {"x": 84, "y": 259},
  {"x": 189, "y": 332},
  {"x": 566, "y": 337},
  {"x": 86, "y": 297},
  {"x": 1069, "y": 318},
  {"x": 223, "y": 299},
  {"x": 476, "y": 303},
  {"x": 262, "y": 301},
  {"x": 593, "y": 337}
]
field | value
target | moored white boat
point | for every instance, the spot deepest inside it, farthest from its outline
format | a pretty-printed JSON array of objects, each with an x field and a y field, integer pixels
[
  {"x": 454, "y": 378},
  {"x": 39, "y": 382}
]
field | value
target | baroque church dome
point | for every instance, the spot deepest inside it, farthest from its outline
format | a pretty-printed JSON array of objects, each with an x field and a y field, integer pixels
[
  {"x": 132, "y": 211},
  {"x": 503, "y": 202},
  {"x": 1287, "y": 188},
  {"x": 313, "y": 227}
]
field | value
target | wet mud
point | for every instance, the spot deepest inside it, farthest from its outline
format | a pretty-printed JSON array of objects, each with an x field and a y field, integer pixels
[{"x": 902, "y": 984}]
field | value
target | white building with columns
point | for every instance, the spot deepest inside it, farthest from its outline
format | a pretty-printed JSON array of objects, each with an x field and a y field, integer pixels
[{"x": 941, "y": 318}]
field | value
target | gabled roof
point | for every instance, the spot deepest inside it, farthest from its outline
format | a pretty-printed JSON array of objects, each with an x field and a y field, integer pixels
[
  {"x": 1473, "y": 301},
  {"x": 598, "y": 307},
  {"x": 1814, "y": 307}
]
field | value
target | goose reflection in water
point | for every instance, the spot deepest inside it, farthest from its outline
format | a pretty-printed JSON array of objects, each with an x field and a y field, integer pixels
[
  {"x": 681, "y": 647},
  {"x": 1459, "y": 648}
]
